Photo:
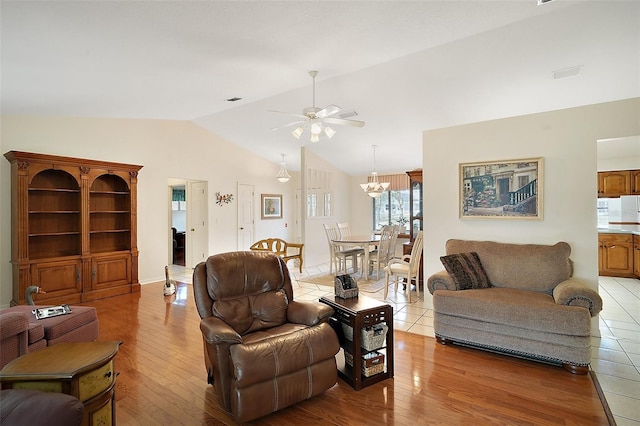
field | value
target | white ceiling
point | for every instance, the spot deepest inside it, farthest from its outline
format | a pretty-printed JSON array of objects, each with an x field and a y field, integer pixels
[{"x": 405, "y": 66}]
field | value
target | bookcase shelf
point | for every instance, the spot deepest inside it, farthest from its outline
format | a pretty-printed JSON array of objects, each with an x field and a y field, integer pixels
[{"x": 72, "y": 219}]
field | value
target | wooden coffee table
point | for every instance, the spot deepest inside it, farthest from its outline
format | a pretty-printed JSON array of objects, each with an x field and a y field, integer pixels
[{"x": 84, "y": 370}]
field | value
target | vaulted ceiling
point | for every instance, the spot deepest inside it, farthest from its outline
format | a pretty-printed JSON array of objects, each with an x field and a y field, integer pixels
[{"x": 404, "y": 66}]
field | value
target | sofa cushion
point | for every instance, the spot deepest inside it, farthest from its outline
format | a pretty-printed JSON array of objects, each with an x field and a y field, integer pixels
[
  {"x": 532, "y": 267},
  {"x": 57, "y": 327},
  {"x": 520, "y": 309},
  {"x": 466, "y": 270}
]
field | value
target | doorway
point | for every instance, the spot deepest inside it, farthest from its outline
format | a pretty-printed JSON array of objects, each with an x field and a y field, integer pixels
[{"x": 188, "y": 225}]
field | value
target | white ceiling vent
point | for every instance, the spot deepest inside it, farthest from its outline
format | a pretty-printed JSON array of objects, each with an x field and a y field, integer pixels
[{"x": 567, "y": 72}]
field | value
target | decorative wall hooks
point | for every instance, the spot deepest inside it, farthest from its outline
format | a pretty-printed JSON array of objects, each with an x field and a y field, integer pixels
[{"x": 223, "y": 198}]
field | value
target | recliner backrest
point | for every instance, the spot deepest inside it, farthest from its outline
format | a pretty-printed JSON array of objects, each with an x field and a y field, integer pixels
[{"x": 250, "y": 291}]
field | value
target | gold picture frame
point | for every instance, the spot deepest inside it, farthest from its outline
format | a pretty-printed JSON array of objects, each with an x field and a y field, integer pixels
[
  {"x": 507, "y": 189},
  {"x": 271, "y": 206}
]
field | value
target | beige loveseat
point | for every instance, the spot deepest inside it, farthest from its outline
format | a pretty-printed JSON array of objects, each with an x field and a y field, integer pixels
[{"x": 532, "y": 307}]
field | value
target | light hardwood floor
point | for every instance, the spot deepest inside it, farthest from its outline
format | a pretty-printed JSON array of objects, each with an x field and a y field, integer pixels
[{"x": 162, "y": 378}]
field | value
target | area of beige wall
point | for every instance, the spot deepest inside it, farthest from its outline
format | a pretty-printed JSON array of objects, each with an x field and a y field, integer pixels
[
  {"x": 315, "y": 240},
  {"x": 567, "y": 141},
  {"x": 165, "y": 149}
]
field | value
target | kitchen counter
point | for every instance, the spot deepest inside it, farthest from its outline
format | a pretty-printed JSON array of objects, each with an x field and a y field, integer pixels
[{"x": 620, "y": 229}]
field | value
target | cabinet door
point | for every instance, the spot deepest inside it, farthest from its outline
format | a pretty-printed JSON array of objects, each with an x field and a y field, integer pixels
[
  {"x": 636, "y": 256},
  {"x": 110, "y": 270},
  {"x": 61, "y": 280},
  {"x": 635, "y": 182},
  {"x": 617, "y": 255},
  {"x": 614, "y": 184}
]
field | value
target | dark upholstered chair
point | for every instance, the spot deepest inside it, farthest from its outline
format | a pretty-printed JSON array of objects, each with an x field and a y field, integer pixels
[
  {"x": 263, "y": 351},
  {"x": 32, "y": 407}
]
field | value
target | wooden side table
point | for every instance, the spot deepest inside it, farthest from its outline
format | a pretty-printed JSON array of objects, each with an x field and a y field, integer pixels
[
  {"x": 84, "y": 370},
  {"x": 359, "y": 313}
]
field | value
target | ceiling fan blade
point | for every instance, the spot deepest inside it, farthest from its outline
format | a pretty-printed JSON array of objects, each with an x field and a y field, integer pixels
[
  {"x": 291, "y": 114},
  {"x": 295, "y": 123},
  {"x": 328, "y": 111},
  {"x": 343, "y": 122},
  {"x": 347, "y": 114}
]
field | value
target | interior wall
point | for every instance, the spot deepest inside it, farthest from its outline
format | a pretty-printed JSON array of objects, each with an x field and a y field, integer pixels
[
  {"x": 567, "y": 141},
  {"x": 316, "y": 247},
  {"x": 165, "y": 149}
]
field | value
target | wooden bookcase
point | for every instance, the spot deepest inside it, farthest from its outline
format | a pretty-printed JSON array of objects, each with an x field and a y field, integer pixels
[{"x": 73, "y": 227}]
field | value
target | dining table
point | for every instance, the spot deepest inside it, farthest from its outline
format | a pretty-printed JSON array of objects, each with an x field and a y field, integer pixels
[{"x": 367, "y": 242}]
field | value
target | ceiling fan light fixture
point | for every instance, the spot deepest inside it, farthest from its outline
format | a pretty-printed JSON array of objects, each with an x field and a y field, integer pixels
[
  {"x": 297, "y": 132},
  {"x": 316, "y": 128},
  {"x": 329, "y": 132},
  {"x": 316, "y": 119},
  {"x": 283, "y": 175}
]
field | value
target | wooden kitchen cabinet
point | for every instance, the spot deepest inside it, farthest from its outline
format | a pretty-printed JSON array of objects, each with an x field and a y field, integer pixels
[
  {"x": 616, "y": 255},
  {"x": 615, "y": 183},
  {"x": 635, "y": 182},
  {"x": 74, "y": 228},
  {"x": 636, "y": 255}
]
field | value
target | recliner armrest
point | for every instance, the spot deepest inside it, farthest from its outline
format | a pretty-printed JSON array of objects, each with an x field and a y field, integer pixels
[
  {"x": 573, "y": 292},
  {"x": 217, "y": 331},
  {"x": 308, "y": 313},
  {"x": 441, "y": 280}
]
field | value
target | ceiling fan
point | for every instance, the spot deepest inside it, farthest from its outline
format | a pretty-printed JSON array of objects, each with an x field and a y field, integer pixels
[{"x": 317, "y": 119}]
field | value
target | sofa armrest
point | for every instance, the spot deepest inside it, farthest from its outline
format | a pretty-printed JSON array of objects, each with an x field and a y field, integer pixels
[
  {"x": 217, "y": 331},
  {"x": 308, "y": 313},
  {"x": 13, "y": 323},
  {"x": 441, "y": 280},
  {"x": 573, "y": 292}
]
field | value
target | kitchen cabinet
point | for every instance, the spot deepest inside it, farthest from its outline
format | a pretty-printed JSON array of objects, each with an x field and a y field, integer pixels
[
  {"x": 613, "y": 184},
  {"x": 74, "y": 228},
  {"x": 635, "y": 182},
  {"x": 636, "y": 255},
  {"x": 616, "y": 255}
]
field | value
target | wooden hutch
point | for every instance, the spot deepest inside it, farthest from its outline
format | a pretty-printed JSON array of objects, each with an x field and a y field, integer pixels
[
  {"x": 415, "y": 213},
  {"x": 73, "y": 228}
]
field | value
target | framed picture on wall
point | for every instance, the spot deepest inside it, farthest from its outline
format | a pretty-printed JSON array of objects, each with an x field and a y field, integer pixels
[
  {"x": 271, "y": 206},
  {"x": 507, "y": 189}
]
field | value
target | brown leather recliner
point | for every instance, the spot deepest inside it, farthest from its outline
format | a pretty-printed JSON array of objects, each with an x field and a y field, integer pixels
[{"x": 263, "y": 351}]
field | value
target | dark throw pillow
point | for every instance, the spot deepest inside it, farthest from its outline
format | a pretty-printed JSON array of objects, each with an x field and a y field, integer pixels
[{"x": 466, "y": 270}]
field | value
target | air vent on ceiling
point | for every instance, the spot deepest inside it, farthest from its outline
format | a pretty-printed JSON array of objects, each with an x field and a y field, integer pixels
[
  {"x": 234, "y": 99},
  {"x": 540, "y": 2},
  {"x": 567, "y": 72}
]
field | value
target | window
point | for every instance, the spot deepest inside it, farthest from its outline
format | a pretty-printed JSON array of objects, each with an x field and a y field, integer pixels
[{"x": 391, "y": 208}]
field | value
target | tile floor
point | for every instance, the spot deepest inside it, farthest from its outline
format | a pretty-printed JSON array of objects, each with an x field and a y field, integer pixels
[{"x": 615, "y": 354}]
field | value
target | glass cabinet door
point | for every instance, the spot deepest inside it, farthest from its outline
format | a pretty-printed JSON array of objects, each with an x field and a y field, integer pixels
[{"x": 415, "y": 202}]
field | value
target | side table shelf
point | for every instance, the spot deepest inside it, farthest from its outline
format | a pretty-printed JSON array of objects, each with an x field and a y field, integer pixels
[{"x": 359, "y": 313}]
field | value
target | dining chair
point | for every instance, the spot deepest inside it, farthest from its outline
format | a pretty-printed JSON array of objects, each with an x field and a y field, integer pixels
[
  {"x": 408, "y": 268},
  {"x": 338, "y": 254},
  {"x": 383, "y": 253}
]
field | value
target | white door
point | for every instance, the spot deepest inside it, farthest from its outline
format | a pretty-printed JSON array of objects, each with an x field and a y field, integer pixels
[
  {"x": 197, "y": 235},
  {"x": 245, "y": 216}
]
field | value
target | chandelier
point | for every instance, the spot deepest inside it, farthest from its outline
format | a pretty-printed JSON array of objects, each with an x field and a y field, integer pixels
[
  {"x": 283, "y": 175},
  {"x": 374, "y": 188}
]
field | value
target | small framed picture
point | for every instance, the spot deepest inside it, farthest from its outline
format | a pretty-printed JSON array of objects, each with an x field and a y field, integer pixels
[
  {"x": 508, "y": 189},
  {"x": 271, "y": 206}
]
